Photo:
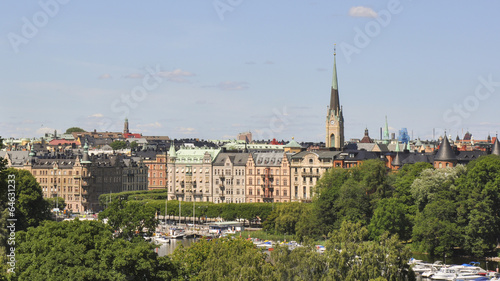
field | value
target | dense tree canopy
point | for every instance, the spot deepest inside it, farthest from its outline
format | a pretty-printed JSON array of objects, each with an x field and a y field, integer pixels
[
  {"x": 85, "y": 250},
  {"x": 128, "y": 218},
  {"x": 74, "y": 130},
  {"x": 117, "y": 145},
  {"x": 221, "y": 259}
]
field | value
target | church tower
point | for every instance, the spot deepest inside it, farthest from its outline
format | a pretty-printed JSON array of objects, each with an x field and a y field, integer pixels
[
  {"x": 125, "y": 127},
  {"x": 334, "y": 117}
]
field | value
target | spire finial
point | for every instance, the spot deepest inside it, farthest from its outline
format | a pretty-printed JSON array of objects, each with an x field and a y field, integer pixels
[{"x": 334, "y": 49}]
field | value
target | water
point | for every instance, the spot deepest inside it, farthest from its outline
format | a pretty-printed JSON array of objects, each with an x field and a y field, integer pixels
[{"x": 167, "y": 249}]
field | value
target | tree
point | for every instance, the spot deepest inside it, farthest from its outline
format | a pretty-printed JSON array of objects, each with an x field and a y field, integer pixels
[
  {"x": 54, "y": 202},
  {"x": 352, "y": 204},
  {"x": 431, "y": 184},
  {"x": 479, "y": 205},
  {"x": 74, "y": 130},
  {"x": 436, "y": 229},
  {"x": 390, "y": 215},
  {"x": 327, "y": 192},
  {"x": 130, "y": 217},
  {"x": 221, "y": 259},
  {"x": 133, "y": 145},
  {"x": 117, "y": 145},
  {"x": 352, "y": 257},
  {"x": 283, "y": 219},
  {"x": 30, "y": 207},
  {"x": 302, "y": 263},
  {"x": 85, "y": 250}
]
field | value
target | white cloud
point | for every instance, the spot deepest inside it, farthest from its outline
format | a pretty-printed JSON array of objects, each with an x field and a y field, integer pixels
[
  {"x": 268, "y": 62},
  {"x": 232, "y": 86},
  {"x": 134, "y": 76},
  {"x": 177, "y": 75},
  {"x": 97, "y": 115},
  {"x": 105, "y": 76},
  {"x": 150, "y": 125},
  {"x": 363, "y": 12},
  {"x": 186, "y": 131}
]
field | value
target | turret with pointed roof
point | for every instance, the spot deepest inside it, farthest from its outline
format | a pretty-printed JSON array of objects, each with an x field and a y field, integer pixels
[
  {"x": 496, "y": 147},
  {"x": 445, "y": 152},
  {"x": 445, "y": 157}
]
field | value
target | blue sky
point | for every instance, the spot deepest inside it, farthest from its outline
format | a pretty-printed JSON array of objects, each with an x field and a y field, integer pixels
[{"x": 212, "y": 69}]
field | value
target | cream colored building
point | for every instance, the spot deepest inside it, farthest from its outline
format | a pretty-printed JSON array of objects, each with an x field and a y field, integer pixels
[{"x": 189, "y": 173}]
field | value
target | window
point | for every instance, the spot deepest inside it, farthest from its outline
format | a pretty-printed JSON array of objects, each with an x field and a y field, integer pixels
[
  {"x": 250, "y": 181},
  {"x": 284, "y": 182},
  {"x": 284, "y": 192},
  {"x": 250, "y": 191},
  {"x": 277, "y": 182}
]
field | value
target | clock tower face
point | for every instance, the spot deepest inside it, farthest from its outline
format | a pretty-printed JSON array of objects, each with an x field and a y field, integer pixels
[{"x": 332, "y": 122}]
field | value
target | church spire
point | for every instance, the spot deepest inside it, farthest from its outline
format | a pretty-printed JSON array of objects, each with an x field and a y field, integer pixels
[{"x": 334, "y": 98}]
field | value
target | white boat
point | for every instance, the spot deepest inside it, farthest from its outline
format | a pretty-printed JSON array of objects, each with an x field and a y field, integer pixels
[
  {"x": 459, "y": 272},
  {"x": 161, "y": 240},
  {"x": 426, "y": 269},
  {"x": 177, "y": 233},
  {"x": 446, "y": 273}
]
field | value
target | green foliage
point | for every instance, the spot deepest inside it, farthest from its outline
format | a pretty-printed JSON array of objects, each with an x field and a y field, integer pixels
[
  {"x": 129, "y": 218},
  {"x": 53, "y": 202},
  {"x": 74, "y": 130},
  {"x": 133, "y": 144},
  {"x": 351, "y": 257},
  {"x": 431, "y": 184},
  {"x": 436, "y": 227},
  {"x": 479, "y": 205},
  {"x": 30, "y": 207},
  {"x": 302, "y": 263},
  {"x": 85, "y": 250},
  {"x": 348, "y": 256},
  {"x": 227, "y": 211},
  {"x": 117, "y": 145},
  {"x": 284, "y": 218},
  {"x": 390, "y": 215},
  {"x": 221, "y": 259}
]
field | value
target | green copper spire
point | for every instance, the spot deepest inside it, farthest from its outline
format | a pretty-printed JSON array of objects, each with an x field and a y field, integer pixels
[
  {"x": 172, "y": 152},
  {"x": 32, "y": 150},
  {"x": 397, "y": 147},
  {"x": 334, "y": 97},
  {"x": 386, "y": 129},
  {"x": 408, "y": 147},
  {"x": 334, "y": 79}
]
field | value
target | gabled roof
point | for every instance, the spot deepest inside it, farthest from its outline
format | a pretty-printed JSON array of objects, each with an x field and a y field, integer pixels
[
  {"x": 238, "y": 159},
  {"x": 445, "y": 152}
]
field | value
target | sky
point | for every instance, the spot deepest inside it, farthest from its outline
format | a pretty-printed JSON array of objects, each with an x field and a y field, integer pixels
[{"x": 213, "y": 69}]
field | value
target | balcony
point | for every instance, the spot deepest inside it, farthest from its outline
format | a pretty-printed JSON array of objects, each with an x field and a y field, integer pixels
[
  {"x": 267, "y": 199},
  {"x": 310, "y": 174},
  {"x": 269, "y": 187}
]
